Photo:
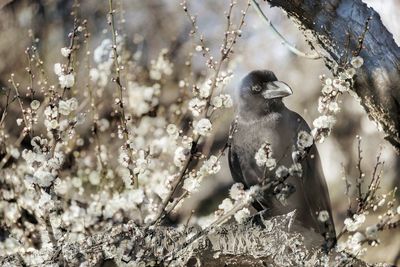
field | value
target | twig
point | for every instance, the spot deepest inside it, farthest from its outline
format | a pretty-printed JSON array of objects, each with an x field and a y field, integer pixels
[
  {"x": 15, "y": 86},
  {"x": 285, "y": 42},
  {"x": 362, "y": 37},
  {"x": 117, "y": 80},
  {"x": 359, "y": 181},
  {"x": 17, "y": 144}
]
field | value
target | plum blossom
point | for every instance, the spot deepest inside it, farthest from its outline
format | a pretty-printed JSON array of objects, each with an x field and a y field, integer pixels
[
  {"x": 323, "y": 216},
  {"x": 196, "y": 106},
  {"x": 242, "y": 215},
  {"x": 205, "y": 89},
  {"x": 58, "y": 70},
  {"x": 180, "y": 156},
  {"x": 66, "y": 80},
  {"x": 237, "y": 191},
  {"x": 264, "y": 157},
  {"x": 324, "y": 122},
  {"x": 304, "y": 140},
  {"x": 226, "y": 205},
  {"x": 65, "y": 51},
  {"x": 161, "y": 66},
  {"x": 357, "y": 62},
  {"x": 191, "y": 184},
  {"x": 352, "y": 224},
  {"x": 210, "y": 166},
  {"x": 222, "y": 101},
  {"x": 65, "y": 107},
  {"x": 281, "y": 171},
  {"x": 203, "y": 127}
]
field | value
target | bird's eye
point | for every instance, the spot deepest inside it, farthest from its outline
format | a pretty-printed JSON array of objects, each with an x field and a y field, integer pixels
[{"x": 256, "y": 88}]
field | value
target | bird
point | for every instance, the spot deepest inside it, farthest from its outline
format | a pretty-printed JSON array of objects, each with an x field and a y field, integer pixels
[{"x": 262, "y": 119}]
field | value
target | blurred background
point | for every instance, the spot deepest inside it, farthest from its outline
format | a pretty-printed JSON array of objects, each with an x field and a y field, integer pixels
[{"x": 157, "y": 24}]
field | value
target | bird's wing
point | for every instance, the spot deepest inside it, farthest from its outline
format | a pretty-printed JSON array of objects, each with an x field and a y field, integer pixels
[
  {"x": 318, "y": 197},
  {"x": 314, "y": 182},
  {"x": 234, "y": 166},
  {"x": 237, "y": 175}
]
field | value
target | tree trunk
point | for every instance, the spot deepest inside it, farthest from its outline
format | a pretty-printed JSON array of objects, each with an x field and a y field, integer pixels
[{"x": 333, "y": 28}]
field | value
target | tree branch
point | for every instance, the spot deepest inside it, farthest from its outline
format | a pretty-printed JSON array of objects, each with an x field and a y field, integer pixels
[
  {"x": 333, "y": 27},
  {"x": 274, "y": 242}
]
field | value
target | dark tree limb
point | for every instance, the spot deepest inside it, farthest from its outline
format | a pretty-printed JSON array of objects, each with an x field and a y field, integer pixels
[
  {"x": 333, "y": 28},
  {"x": 274, "y": 242}
]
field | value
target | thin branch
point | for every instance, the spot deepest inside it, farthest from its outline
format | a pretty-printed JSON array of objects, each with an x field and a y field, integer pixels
[
  {"x": 117, "y": 80},
  {"x": 285, "y": 42}
]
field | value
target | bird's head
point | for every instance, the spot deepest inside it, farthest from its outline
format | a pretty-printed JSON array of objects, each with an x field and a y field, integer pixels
[{"x": 261, "y": 92}]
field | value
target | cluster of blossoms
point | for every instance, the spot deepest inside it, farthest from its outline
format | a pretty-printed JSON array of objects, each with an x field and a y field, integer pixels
[
  {"x": 142, "y": 99},
  {"x": 264, "y": 157},
  {"x": 360, "y": 234},
  {"x": 210, "y": 166},
  {"x": 103, "y": 57},
  {"x": 42, "y": 166},
  {"x": 328, "y": 103},
  {"x": 65, "y": 78},
  {"x": 161, "y": 66},
  {"x": 234, "y": 205},
  {"x": 30, "y": 117}
]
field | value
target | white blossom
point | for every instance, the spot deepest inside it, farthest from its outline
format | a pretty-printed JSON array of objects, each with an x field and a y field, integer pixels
[
  {"x": 161, "y": 66},
  {"x": 58, "y": 70},
  {"x": 172, "y": 129},
  {"x": 264, "y": 157},
  {"x": 222, "y": 101},
  {"x": 66, "y": 80},
  {"x": 242, "y": 215},
  {"x": 237, "y": 191},
  {"x": 94, "y": 178},
  {"x": 199, "y": 48},
  {"x": 210, "y": 166},
  {"x": 304, "y": 140},
  {"x": 191, "y": 184},
  {"x": 65, "y": 107},
  {"x": 196, "y": 106},
  {"x": 203, "y": 127},
  {"x": 35, "y": 104},
  {"x": 296, "y": 170},
  {"x": 281, "y": 171},
  {"x": 205, "y": 89},
  {"x": 324, "y": 122},
  {"x": 352, "y": 224},
  {"x": 334, "y": 107},
  {"x": 65, "y": 51},
  {"x": 323, "y": 216},
  {"x": 354, "y": 242},
  {"x": 226, "y": 205},
  {"x": 216, "y": 101},
  {"x": 357, "y": 62},
  {"x": 180, "y": 156}
]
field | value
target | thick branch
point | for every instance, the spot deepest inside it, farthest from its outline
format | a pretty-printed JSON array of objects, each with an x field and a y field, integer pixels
[
  {"x": 274, "y": 242},
  {"x": 335, "y": 27}
]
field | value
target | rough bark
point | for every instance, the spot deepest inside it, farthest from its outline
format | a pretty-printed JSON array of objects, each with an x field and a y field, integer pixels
[
  {"x": 274, "y": 242},
  {"x": 333, "y": 28}
]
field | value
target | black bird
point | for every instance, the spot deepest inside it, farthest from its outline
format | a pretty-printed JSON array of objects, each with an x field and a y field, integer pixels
[{"x": 263, "y": 118}]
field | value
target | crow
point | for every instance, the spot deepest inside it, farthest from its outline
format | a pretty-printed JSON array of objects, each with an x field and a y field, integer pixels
[{"x": 264, "y": 122}]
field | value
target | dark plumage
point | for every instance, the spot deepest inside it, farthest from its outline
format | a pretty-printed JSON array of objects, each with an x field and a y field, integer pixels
[{"x": 263, "y": 117}]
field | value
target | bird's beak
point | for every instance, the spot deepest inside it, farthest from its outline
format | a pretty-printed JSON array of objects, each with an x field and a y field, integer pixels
[{"x": 277, "y": 89}]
